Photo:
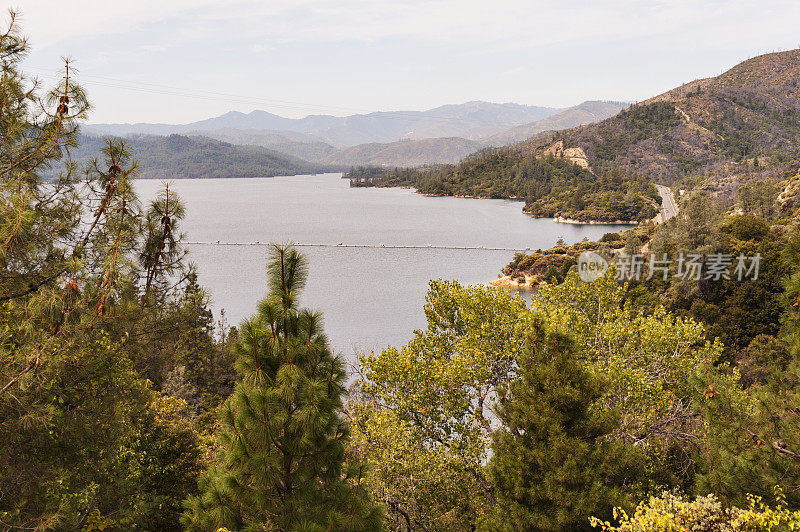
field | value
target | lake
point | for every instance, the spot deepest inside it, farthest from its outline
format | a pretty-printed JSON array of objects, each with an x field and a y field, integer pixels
[{"x": 370, "y": 297}]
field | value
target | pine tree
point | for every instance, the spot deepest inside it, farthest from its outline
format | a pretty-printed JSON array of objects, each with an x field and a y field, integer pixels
[
  {"x": 161, "y": 253},
  {"x": 85, "y": 443},
  {"x": 280, "y": 464},
  {"x": 790, "y": 320},
  {"x": 38, "y": 130},
  {"x": 755, "y": 447},
  {"x": 551, "y": 466}
]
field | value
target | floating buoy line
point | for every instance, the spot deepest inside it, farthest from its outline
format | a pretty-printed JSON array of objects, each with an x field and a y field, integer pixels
[{"x": 342, "y": 245}]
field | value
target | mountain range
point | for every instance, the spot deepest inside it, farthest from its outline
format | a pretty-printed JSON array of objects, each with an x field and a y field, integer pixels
[
  {"x": 442, "y": 135},
  {"x": 714, "y": 133},
  {"x": 471, "y": 120}
]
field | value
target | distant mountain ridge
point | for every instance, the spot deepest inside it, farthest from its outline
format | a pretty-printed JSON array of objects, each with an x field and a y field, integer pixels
[
  {"x": 407, "y": 146},
  {"x": 471, "y": 120},
  {"x": 585, "y": 113},
  {"x": 404, "y": 153}
]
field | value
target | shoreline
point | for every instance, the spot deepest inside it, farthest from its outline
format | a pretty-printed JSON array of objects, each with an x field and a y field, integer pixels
[
  {"x": 513, "y": 198},
  {"x": 557, "y": 219}
]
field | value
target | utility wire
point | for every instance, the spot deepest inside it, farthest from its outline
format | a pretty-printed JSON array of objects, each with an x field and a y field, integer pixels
[{"x": 153, "y": 88}]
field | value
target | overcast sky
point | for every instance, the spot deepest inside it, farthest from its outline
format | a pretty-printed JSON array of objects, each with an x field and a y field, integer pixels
[{"x": 178, "y": 61}]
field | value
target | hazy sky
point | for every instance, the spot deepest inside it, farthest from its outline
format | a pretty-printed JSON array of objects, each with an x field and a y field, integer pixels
[{"x": 184, "y": 60}]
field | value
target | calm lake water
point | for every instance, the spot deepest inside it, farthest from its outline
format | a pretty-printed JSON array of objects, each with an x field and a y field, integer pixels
[{"x": 371, "y": 298}]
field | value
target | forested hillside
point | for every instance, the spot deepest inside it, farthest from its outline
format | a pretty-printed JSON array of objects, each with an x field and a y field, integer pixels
[
  {"x": 550, "y": 186},
  {"x": 182, "y": 157},
  {"x": 742, "y": 125},
  {"x": 404, "y": 153},
  {"x": 299, "y": 145}
]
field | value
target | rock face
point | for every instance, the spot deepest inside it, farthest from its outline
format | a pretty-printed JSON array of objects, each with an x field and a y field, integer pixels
[
  {"x": 526, "y": 282},
  {"x": 789, "y": 197},
  {"x": 574, "y": 155}
]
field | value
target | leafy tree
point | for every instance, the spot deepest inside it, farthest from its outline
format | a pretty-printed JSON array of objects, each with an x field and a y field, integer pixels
[
  {"x": 658, "y": 365},
  {"x": 281, "y": 460},
  {"x": 554, "y": 464},
  {"x": 435, "y": 396},
  {"x": 162, "y": 458},
  {"x": 422, "y": 486}
]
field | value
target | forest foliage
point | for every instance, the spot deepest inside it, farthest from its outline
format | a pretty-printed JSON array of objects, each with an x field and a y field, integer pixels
[
  {"x": 191, "y": 157},
  {"x": 649, "y": 405}
]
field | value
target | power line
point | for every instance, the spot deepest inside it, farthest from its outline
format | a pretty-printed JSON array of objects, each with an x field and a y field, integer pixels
[
  {"x": 168, "y": 90},
  {"x": 153, "y": 88}
]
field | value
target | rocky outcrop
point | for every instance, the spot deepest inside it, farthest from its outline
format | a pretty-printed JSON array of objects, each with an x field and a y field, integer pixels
[
  {"x": 526, "y": 282},
  {"x": 574, "y": 155}
]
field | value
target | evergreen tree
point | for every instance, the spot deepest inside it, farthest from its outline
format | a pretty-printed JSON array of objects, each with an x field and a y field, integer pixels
[
  {"x": 752, "y": 445},
  {"x": 37, "y": 131},
  {"x": 552, "y": 466},
  {"x": 161, "y": 253},
  {"x": 754, "y": 448},
  {"x": 281, "y": 465},
  {"x": 790, "y": 320},
  {"x": 85, "y": 443}
]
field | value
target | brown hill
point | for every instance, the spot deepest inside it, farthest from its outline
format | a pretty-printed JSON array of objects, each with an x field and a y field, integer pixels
[{"x": 739, "y": 126}]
